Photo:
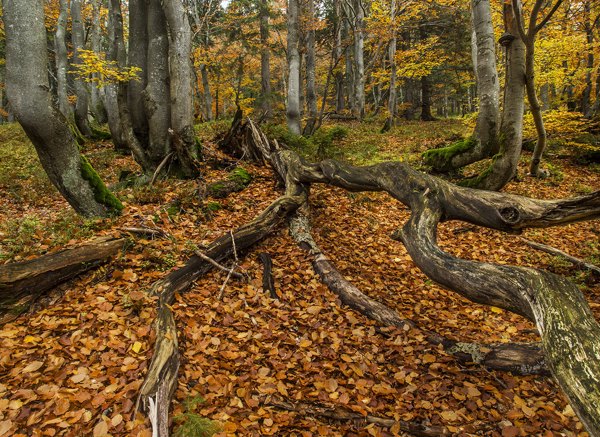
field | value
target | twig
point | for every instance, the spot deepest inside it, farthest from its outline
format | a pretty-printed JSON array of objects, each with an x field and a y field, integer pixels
[
  {"x": 219, "y": 266},
  {"x": 146, "y": 231},
  {"x": 222, "y": 290},
  {"x": 553, "y": 251},
  {"x": 160, "y": 167},
  {"x": 268, "y": 282},
  {"x": 234, "y": 248}
]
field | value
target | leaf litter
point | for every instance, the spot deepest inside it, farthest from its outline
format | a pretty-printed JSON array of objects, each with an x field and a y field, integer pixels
[{"x": 74, "y": 367}]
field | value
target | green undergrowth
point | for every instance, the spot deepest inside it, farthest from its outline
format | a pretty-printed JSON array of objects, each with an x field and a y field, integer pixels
[
  {"x": 22, "y": 178},
  {"x": 32, "y": 233},
  {"x": 192, "y": 424}
]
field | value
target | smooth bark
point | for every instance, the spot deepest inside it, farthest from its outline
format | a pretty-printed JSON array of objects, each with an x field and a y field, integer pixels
[
  {"x": 293, "y": 55},
  {"x": 28, "y": 93},
  {"x": 138, "y": 57},
  {"x": 62, "y": 63},
  {"x": 265, "y": 60},
  {"x": 157, "y": 93},
  {"x": 183, "y": 138},
  {"x": 81, "y": 92}
]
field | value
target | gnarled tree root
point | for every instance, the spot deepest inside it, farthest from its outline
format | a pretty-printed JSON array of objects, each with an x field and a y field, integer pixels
[{"x": 570, "y": 334}]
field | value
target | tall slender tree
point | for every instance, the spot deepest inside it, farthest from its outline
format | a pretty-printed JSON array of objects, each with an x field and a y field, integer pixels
[{"x": 293, "y": 55}]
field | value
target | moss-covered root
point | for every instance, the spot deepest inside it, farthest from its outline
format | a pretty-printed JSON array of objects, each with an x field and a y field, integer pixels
[
  {"x": 101, "y": 193},
  {"x": 442, "y": 159}
]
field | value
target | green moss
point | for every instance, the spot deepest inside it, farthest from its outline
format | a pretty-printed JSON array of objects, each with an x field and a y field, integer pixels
[
  {"x": 475, "y": 182},
  {"x": 240, "y": 175},
  {"x": 440, "y": 158},
  {"x": 99, "y": 134},
  {"x": 101, "y": 193},
  {"x": 214, "y": 206}
]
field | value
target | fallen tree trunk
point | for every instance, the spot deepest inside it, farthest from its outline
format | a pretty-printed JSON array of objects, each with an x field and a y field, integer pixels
[
  {"x": 343, "y": 414},
  {"x": 23, "y": 283},
  {"x": 570, "y": 334}
]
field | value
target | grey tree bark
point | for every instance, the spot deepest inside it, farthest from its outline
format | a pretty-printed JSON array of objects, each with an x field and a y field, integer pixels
[
  {"x": 60, "y": 46},
  {"x": 338, "y": 51},
  {"x": 265, "y": 60},
  {"x": 96, "y": 104},
  {"x": 484, "y": 142},
  {"x": 157, "y": 92},
  {"x": 183, "y": 138},
  {"x": 504, "y": 164},
  {"x": 293, "y": 91},
  {"x": 528, "y": 36},
  {"x": 81, "y": 92},
  {"x": 359, "y": 46},
  {"x": 28, "y": 92},
  {"x": 118, "y": 54},
  {"x": 311, "y": 85},
  {"x": 391, "y": 120},
  {"x": 138, "y": 57}
]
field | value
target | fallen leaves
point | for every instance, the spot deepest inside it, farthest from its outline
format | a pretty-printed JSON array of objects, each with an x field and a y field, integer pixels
[{"x": 75, "y": 368}]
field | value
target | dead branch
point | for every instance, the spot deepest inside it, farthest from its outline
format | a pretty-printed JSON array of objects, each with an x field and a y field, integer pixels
[
  {"x": 23, "y": 283},
  {"x": 557, "y": 252},
  {"x": 339, "y": 413}
]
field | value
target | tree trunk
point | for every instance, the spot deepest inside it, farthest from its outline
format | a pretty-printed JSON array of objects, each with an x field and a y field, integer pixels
[
  {"x": 293, "y": 92},
  {"x": 97, "y": 105},
  {"x": 426, "y": 99},
  {"x": 484, "y": 142},
  {"x": 81, "y": 92},
  {"x": 265, "y": 61},
  {"x": 359, "y": 43},
  {"x": 183, "y": 139},
  {"x": 207, "y": 93},
  {"x": 504, "y": 164},
  {"x": 535, "y": 108},
  {"x": 157, "y": 94},
  {"x": 138, "y": 57},
  {"x": 392, "y": 57},
  {"x": 23, "y": 283},
  {"x": 27, "y": 87},
  {"x": 117, "y": 53},
  {"x": 340, "y": 101},
  {"x": 311, "y": 86},
  {"x": 62, "y": 61}
]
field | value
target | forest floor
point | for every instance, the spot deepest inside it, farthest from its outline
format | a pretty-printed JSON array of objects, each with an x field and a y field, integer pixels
[{"x": 74, "y": 367}]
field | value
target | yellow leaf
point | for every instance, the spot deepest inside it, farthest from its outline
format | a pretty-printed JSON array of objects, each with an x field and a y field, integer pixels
[
  {"x": 497, "y": 310},
  {"x": 137, "y": 346},
  {"x": 33, "y": 366}
]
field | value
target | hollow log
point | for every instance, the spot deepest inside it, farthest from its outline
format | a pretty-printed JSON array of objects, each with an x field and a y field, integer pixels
[{"x": 23, "y": 283}]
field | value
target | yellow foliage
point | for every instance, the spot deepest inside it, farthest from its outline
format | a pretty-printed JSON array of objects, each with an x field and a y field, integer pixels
[{"x": 95, "y": 68}]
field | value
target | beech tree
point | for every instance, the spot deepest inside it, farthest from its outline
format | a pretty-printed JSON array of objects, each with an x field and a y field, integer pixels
[{"x": 27, "y": 87}]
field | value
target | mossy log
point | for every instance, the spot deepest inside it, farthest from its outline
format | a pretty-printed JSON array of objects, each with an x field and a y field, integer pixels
[{"x": 23, "y": 283}]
